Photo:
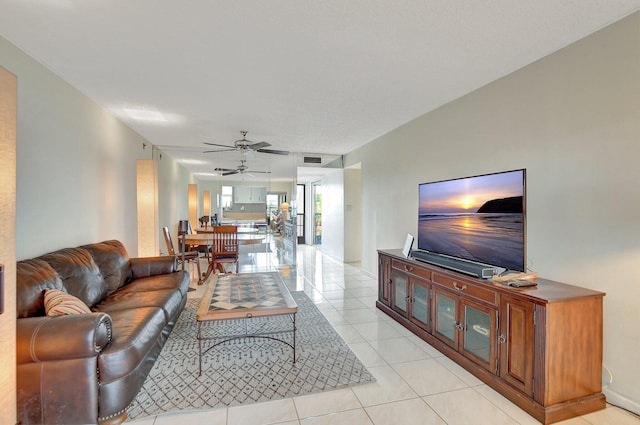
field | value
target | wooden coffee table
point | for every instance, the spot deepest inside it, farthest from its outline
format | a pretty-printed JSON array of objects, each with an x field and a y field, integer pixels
[{"x": 245, "y": 296}]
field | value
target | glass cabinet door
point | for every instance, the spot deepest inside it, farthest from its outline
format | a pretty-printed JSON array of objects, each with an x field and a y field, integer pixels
[
  {"x": 444, "y": 318},
  {"x": 479, "y": 336},
  {"x": 400, "y": 291},
  {"x": 420, "y": 310},
  {"x": 384, "y": 282}
]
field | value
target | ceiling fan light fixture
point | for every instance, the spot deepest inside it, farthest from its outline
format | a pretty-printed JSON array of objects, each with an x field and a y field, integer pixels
[{"x": 241, "y": 169}]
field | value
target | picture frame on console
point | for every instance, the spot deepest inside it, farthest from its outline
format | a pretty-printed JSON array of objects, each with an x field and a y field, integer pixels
[{"x": 408, "y": 244}]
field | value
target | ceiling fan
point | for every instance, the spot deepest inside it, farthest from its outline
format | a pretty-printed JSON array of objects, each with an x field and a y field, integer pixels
[
  {"x": 243, "y": 145},
  {"x": 241, "y": 169}
]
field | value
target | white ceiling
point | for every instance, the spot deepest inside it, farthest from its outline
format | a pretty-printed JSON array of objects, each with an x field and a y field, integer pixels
[{"x": 306, "y": 76}]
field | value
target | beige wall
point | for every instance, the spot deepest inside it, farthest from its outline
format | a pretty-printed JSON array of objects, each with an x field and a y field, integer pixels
[
  {"x": 352, "y": 215},
  {"x": 76, "y": 164},
  {"x": 76, "y": 167},
  {"x": 173, "y": 180},
  {"x": 76, "y": 182},
  {"x": 8, "y": 118},
  {"x": 333, "y": 206},
  {"x": 572, "y": 120}
]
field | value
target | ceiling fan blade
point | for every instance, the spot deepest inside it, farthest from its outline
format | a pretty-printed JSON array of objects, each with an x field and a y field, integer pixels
[
  {"x": 224, "y": 169},
  {"x": 273, "y": 151},
  {"x": 217, "y": 144},
  {"x": 262, "y": 172},
  {"x": 228, "y": 173},
  {"x": 259, "y": 145},
  {"x": 220, "y": 150}
]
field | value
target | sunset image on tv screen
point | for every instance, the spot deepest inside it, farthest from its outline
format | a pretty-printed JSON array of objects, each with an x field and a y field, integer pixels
[{"x": 477, "y": 218}]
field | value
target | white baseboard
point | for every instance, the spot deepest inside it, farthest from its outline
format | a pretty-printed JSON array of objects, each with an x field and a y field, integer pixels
[{"x": 621, "y": 401}]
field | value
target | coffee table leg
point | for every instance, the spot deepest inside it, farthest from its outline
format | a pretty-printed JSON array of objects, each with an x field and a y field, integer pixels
[{"x": 294, "y": 337}]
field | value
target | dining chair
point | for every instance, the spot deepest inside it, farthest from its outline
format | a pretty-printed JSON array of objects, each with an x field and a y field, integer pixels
[
  {"x": 202, "y": 249},
  {"x": 189, "y": 256},
  {"x": 225, "y": 246}
]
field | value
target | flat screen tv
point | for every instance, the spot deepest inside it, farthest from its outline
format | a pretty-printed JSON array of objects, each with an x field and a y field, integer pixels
[{"x": 479, "y": 219}]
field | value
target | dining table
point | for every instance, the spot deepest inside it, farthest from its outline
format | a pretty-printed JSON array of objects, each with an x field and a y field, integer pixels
[
  {"x": 241, "y": 229},
  {"x": 206, "y": 239}
]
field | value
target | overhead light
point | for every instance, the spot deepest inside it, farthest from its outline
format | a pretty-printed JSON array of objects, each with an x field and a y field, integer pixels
[
  {"x": 192, "y": 161},
  {"x": 207, "y": 174},
  {"x": 145, "y": 115}
]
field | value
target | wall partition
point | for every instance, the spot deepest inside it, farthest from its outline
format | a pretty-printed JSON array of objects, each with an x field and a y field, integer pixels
[{"x": 8, "y": 118}]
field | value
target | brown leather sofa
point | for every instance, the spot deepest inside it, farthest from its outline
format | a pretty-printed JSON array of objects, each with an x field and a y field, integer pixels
[{"x": 87, "y": 368}]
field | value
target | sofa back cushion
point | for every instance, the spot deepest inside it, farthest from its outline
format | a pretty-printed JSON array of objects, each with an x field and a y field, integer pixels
[
  {"x": 80, "y": 275},
  {"x": 33, "y": 276},
  {"x": 113, "y": 261}
]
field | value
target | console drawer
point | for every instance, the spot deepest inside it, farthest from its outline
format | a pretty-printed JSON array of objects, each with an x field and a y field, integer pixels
[
  {"x": 411, "y": 269},
  {"x": 467, "y": 288}
]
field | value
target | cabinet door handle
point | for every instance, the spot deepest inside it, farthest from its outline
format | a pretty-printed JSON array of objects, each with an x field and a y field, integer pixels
[
  {"x": 459, "y": 288},
  {"x": 459, "y": 326},
  {"x": 408, "y": 269},
  {"x": 502, "y": 339}
]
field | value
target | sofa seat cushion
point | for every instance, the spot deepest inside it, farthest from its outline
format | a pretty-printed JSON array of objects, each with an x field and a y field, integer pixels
[
  {"x": 135, "y": 332},
  {"x": 168, "y": 300},
  {"x": 159, "y": 282}
]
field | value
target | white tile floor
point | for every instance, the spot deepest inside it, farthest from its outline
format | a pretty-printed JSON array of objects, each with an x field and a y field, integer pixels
[{"x": 415, "y": 383}]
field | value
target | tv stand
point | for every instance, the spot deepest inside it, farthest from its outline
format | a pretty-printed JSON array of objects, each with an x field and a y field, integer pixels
[
  {"x": 540, "y": 346},
  {"x": 470, "y": 268}
]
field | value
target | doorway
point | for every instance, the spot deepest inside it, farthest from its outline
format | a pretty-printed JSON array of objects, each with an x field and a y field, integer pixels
[
  {"x": 274, "y": 200},
  {"x": 317, "y": 213},
  {"x": 300, "y": 215}
]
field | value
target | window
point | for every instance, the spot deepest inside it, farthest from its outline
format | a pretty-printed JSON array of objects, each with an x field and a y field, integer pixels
[
  {"x": 272, "y": 202},
  {"x": 300, "y": 223},
  {"x": 227, "y": 196}
]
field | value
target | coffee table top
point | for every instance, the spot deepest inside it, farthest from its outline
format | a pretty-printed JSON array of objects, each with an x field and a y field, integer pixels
[{"x": 245, "y": 295}]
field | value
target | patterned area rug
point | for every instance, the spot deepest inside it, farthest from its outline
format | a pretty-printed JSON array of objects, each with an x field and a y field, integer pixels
[{"x": 247, "y": 370}]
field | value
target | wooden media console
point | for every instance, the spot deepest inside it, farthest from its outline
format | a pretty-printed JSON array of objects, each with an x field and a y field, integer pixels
[{"x": 539, "y": 346}]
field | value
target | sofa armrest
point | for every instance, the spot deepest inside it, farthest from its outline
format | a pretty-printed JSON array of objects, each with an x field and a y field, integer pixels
[
  {"x": 153, "y": 266},
  {"x": 77, "y": 336}
]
